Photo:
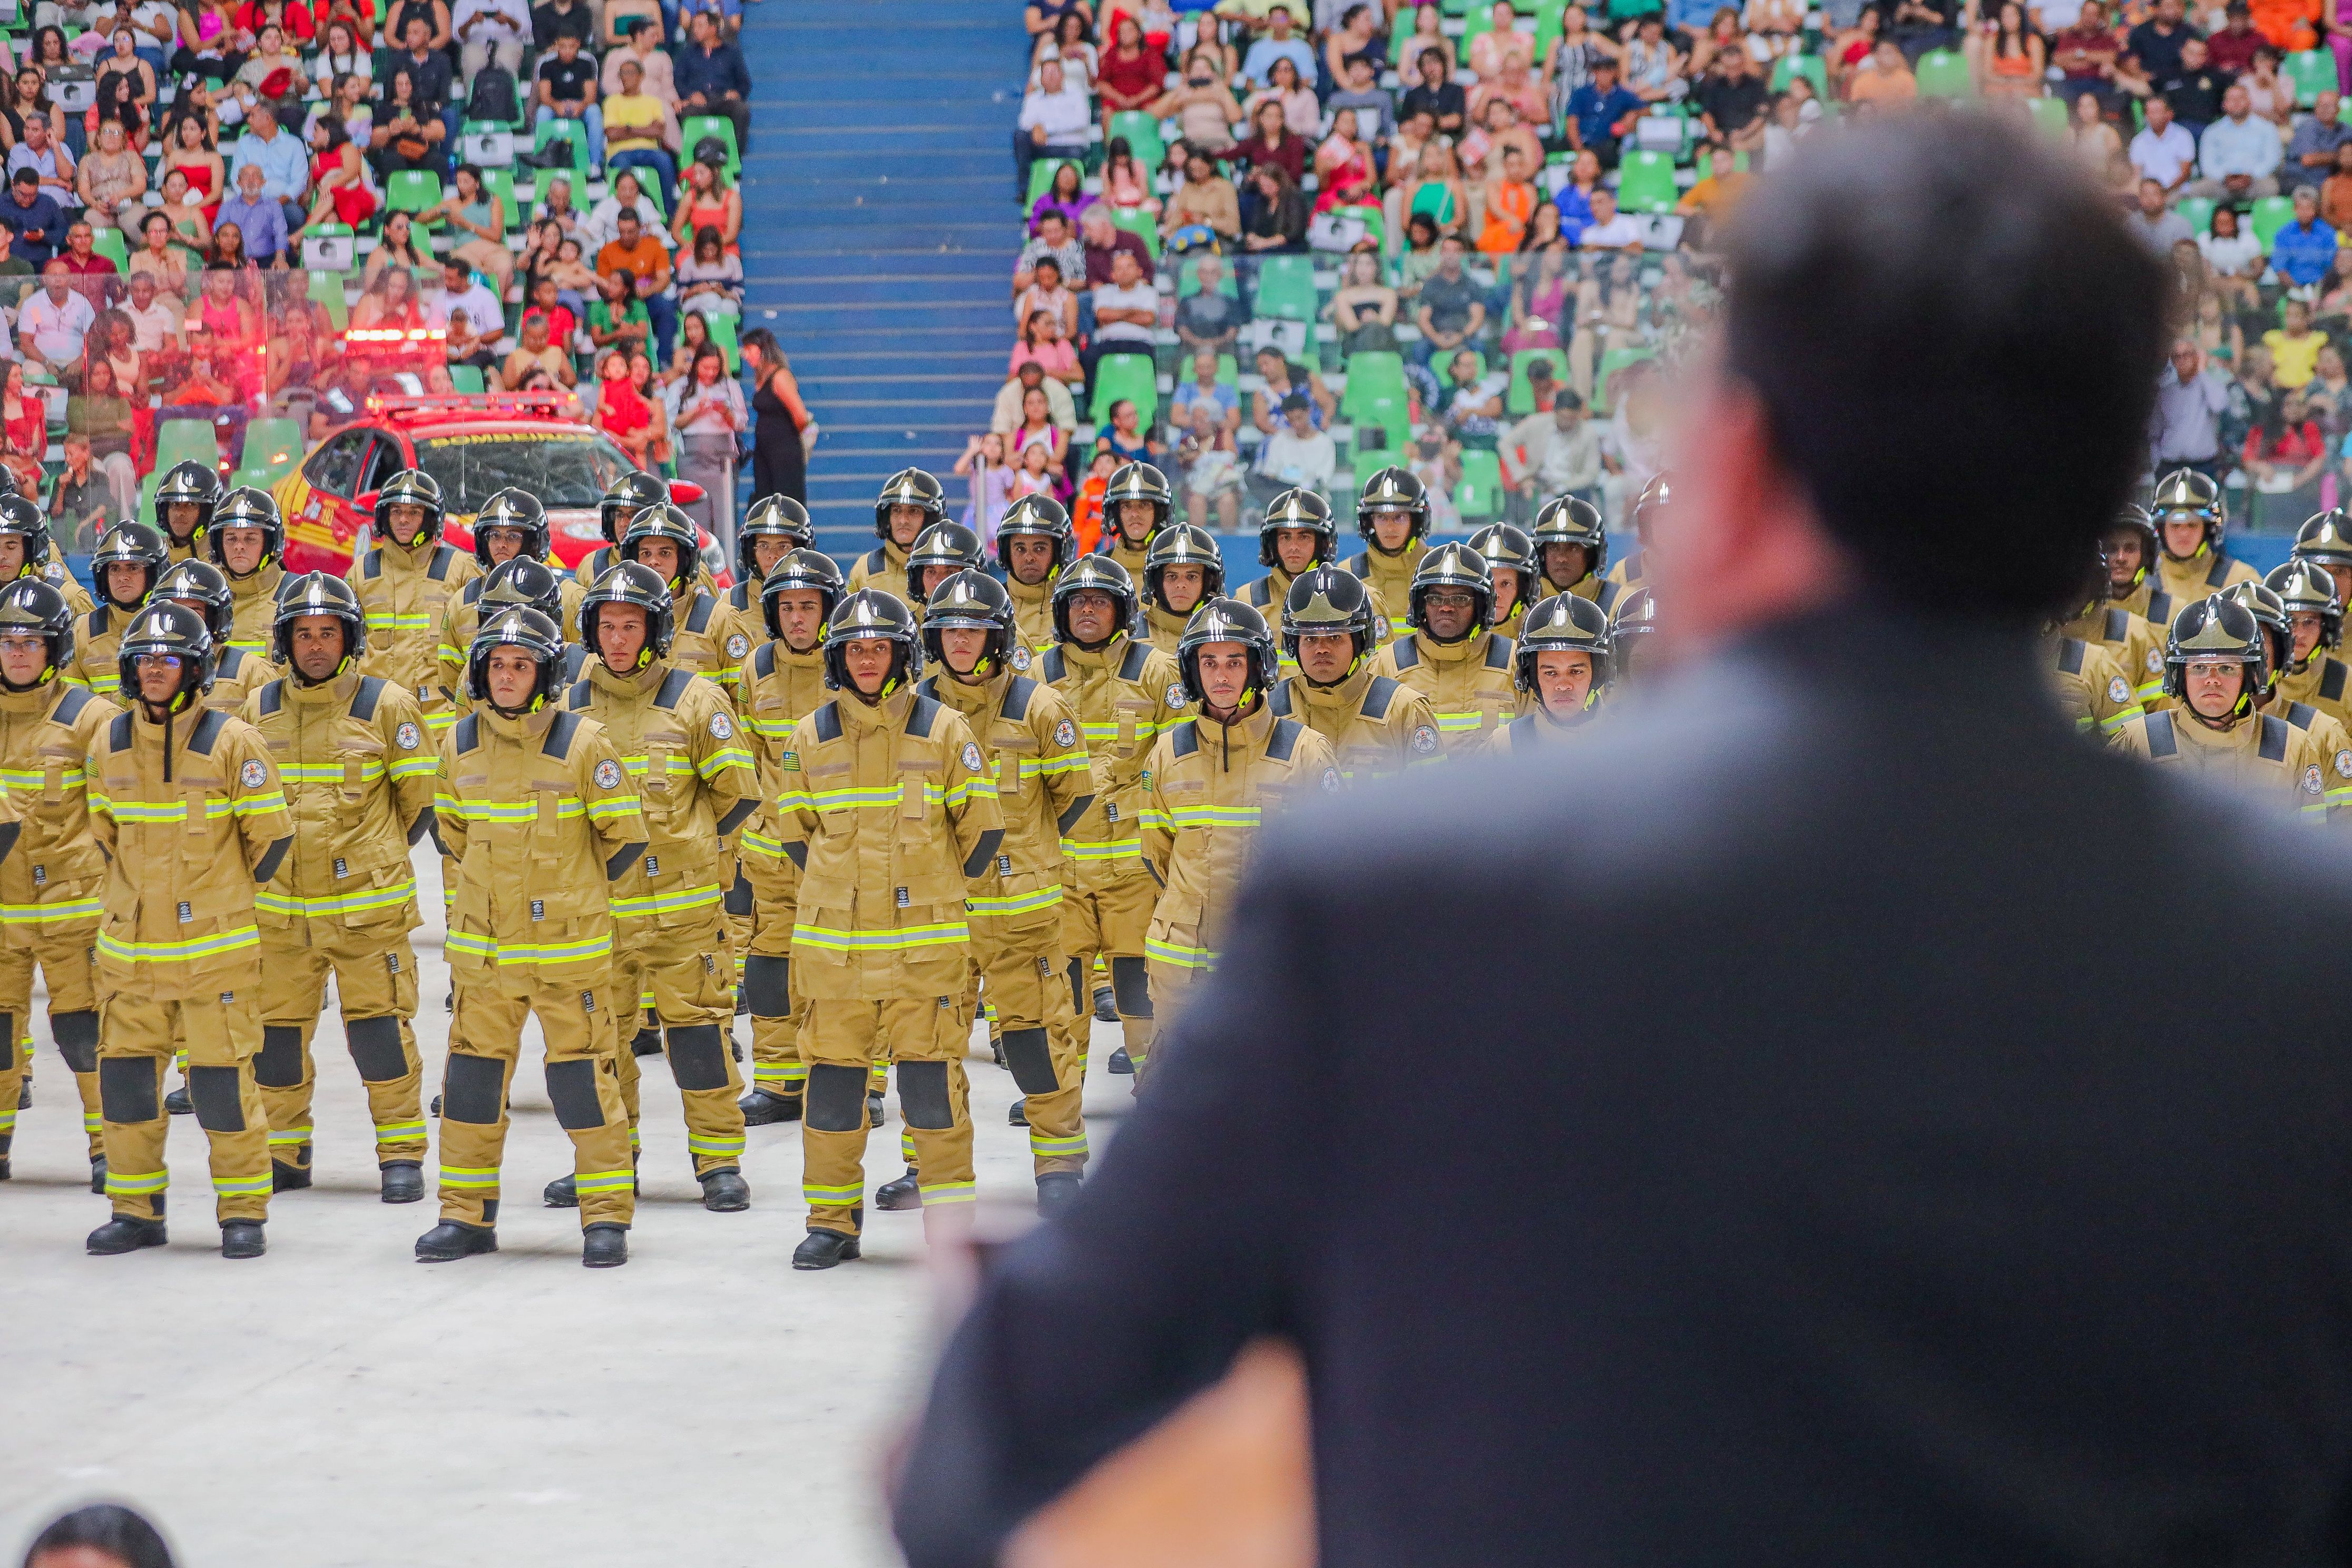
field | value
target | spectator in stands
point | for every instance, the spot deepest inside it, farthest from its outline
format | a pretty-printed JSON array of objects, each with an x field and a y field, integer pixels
[
  {"x": 642, "y": 255},
  {"x": 83, "y": 500},
  {"x": 1055, "y": 120},
  {"x": 406, "y": 131},
  {"x": 1065, "y": 193},
  {"x": 536, "y": 354},
  {"x": 1101, "y": 240},
  {"x": 2238, "y": 156},
  {"x": 1515, "y": 86},
  {"x": 1055, "y": 237},
  {"x": 2163, "y": 151},
  {"x": 1204, "y": 108},
  {"x": 1132, "y": 72},
  {"x": 1036, "y": 428},
  {"x": 2157, "y": 224},
  {"x": 1436, "y": 95},
  {"x": 1042, "y": 340},
  {"x": 2311, "y": 150},
  {"x": 1271, "y": 141},
  {"x": 1277, "y": 221},
  {"x": 1300, "y": 109},
  {"x": 2190, "y": 400},
  {"x": 1601, "y": 114},
  {"x": 258, "y": 219},
  {"x": 2086, "y": 56},
  {"x": 1297, "y": 453},
  {"x": 461, "y": 292},
  {"x": 564, "y": 89},
  {"x": 1510, "y": 205},
  {"x": 1208, "y": 319},
  {"x": 154, "y": 321},
  {"x": 272, "y": 74},
  {"x": 1125, "y": 441},
  {"x": 620, "y": 413},
  {"x": 1435, "y": 191},
  {"x": 1555, "y": 453},
  {"x": 560, "y": 19},
  {"x": 1731, "y": 101},
  {"x": 1029, "y": 376},
  {"x": 617, "y": 319},
  {"x": 639, "y": 132},
  {"x": 2303, "y": 249},
  {"x": 1886, "y": 78},
  {"x": 1127, "y": 314},
  {"x": 52, "y": 323},
  {"x": 709, "y": 279},
  {"x": 2294, "y": 346},
  {"x": 1363, "y": 309},
  {"x": 1204, "y": 390},
  {"x": 625, "y": 194},
  {"x": 706, "y": 201},
  {"x": 1205, "y": 197},
  {"x": 1047, "y": 292},
  {"x": 490, "y": 31},
  {"x": 280, "y": 157},
  {"x": 422, "y": 57},
  {"x": 1451, "y": 308},
  {"x": 1278, "y": 379},
  {"x": 101, "y": 414},
  {"x": 397, "y": 248},
  {"x": 2335, "y": 195},
  {"x": 992, "y": 483},
  {"x": 2285, "y": 454},
  {"x": 1278, "y": 43},
  {"x": 1344, "y": 169},
  {"x": 642, "y": 45},
  {"x": 390, "y": 304},
  {"x": 1611, "y": 229},
  {"x": 111, "y": 180},
  {"x": 95, "y": 277},
  {"x": 47, "y": 158}
]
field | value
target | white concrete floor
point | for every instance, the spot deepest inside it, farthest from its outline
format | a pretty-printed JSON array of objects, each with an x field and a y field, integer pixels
[{"x": 338, "y": 1403}]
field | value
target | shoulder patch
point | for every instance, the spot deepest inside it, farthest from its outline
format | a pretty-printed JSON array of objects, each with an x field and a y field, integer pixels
[
  {"x": 1176, "y": 696},
  {"x": 1131, "y": 662},
  {"x": 697, "y": 619},
  {"x": 1425, "y": 740},
  {"x": 1055, "y": 665},
  {"x": 1498, "y": 652},
  {"x": 2344, "y": 765},
  {"x": 581, "y": 695},
  {"x": 206, "y": 733},
  {"x": 722, "y": 728},
  {"x": 1283, "y": 739},
  {"x": 1066, "y": 736},
  {"x": 972, "y": 756},
  {"x": 2118, "y": 689},
  {"x": 443, "y": 556},
  {"x": 1408, "y": 652},
  {"x": 608, "y": 774},
  {"x": 2070, "y": 655},
  {"x": 1330, "y": 781},
  {"x": 273, "y": 697},
  {"x": 791, "y": 763},
  {"x": 256, "y": 773},
  {"x": 1018, "y": 692},
  {"x": 738, "y": 646},
  {"x": 407, "y": 737},
  {"x": 828, "y": 721},
  {"x": 2119, "y": 625},
  {"x": 922, "y": 715},
  {"x": 472, "y": 591},
  {"x": 1185, "y": 738},
  {"x": 2312, "y": 783}
]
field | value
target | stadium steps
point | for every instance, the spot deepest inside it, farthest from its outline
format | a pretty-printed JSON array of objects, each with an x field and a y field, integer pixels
[{"x": 879, "y": 234}]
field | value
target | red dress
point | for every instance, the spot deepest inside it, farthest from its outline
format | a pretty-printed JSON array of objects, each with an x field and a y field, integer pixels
[
  {"x": 354, "y": 202},
  {"x": 200, "y": 181}
]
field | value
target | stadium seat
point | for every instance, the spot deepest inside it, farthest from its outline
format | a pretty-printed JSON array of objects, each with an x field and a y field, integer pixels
[
  {"x": 1142, "y": 224},
  {"x": 1645, "y": 183},
  {"x": 1129, "y": 376},
  {"x": 186, "y": 441},
  {"x": 500, "y": 183},
  {"x": 272, "y": 448},
  {"x": 2049, "y": 114},
  {"x": 1371, "y": 460},
  {"x": 723, "y": 333},
  {"x": 327, "y": 288},
  {"x": 1521, "y": 398},
  {"x": 412, "y": 191},
  {"x": 2312, "y": 72},
  {"x": 568, "y": 130},
  {"x": 147, "y": 488},
  {"x": 1142, "y": 134},
  {"x": 1041, "y": 176},
  {"x": 1813, "y": 68},
  {"x": 1187, "y": 280},
  {"x": 1480, "y": 492},
  {"x": 467, "y": 379},
  {"x": 1286, "y": 287},
  {"x": 695, "y": 127},
  {"x": 1376, "y": 393},
  {"x": 2197, "y": 212},
  {"x": 1611, "y": 362},
  {"x": 108, "y": 242},
  {"x": 1944, "y": 73},
  {"x": 2271, "y": 214}
]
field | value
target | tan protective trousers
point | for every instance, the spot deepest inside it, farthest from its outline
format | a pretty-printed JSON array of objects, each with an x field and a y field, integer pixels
[
  {"x": 375, "y": 990},
  {"x": 222, "y": 1033},
  {"x": 65, "y": 961},
  {"x": 841, "y": 1044},
  {"x": 683, "y": 983},
  {"x": 1110, "y": 924}
]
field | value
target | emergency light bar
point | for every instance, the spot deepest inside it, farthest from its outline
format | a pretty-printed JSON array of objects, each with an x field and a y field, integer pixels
[
  {"x": 394, "y": 335},
  {"x": 476, "y": 401}
]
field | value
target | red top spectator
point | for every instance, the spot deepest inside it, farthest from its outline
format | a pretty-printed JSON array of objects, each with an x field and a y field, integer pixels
[
  {"x": 293, "y": 16},
  {"x": 2232, "y": 48},
  {"x": 1132, "y": 72}
]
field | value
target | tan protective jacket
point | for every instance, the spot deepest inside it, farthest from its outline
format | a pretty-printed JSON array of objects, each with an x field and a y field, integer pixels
[
  {"x": 1390, "y": 577},
  {"x": 891, "y": 810},
  {"x": 190, "y": 812},
  {"x": 1124, "y": 694},
  {"x": 254, "y": 606},
  {"x": 1468, "y": 683},
  {"x": 1376, "y": 725},
  {"x": 2261, "y": 751},
  {"x": 1033, "y": 748},
  {"x": 357, "y": 763},
  {"x": 51, "y": 884},
  {"x": 406, "y": 594}
]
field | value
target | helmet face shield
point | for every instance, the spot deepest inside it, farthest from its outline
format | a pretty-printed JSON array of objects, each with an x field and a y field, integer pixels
[
  {"x": 1222, "y": 621},
  {"x": 874, "y": 617},
  {"x": 2207, "y": 637},
  {"x": 537, "y": 636},
  {"x": 1096, "y": 574}
]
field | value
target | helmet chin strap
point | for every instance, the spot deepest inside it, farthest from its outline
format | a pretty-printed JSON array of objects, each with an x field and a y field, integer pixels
[{"x": 49, "y": 673}]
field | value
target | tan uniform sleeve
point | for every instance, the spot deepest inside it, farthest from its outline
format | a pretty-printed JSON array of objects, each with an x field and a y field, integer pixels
[
  {"x": 410, "y": 761},
  {"x": 257, "y": 800},
  {"x": 1063, "y": 765},
  {"x": 101, "y": 807},
  {"x": 795, "y": 817},
  {"x": 1155, "y": 822},
  {"x": 1424, "y": 742},
  {"x": 970, "y": 802},
  {"x": 616, "y": 812},
  {"x": 722, "y": 755},
  {"x": 447, "y": 806}
]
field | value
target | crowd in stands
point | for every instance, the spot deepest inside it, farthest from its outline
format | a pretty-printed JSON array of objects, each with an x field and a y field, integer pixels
[
  {"x": 1270, "y": 242},
  {"x": 227, "y": 209}
]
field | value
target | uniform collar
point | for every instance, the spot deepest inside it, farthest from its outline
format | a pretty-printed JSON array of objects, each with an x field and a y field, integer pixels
[
  {"x": 1027, "y": 592},
  {"x": 1109, "y": 654},
  {"x": 1251, "y": 731},
  {"x": 529, "y": 727},
  {"x": 1435, "y": 652},
  {"x": 643, "y": 683},
  {"x": 890, "y": 713},
  {"x": 1348, "y": 694},
  {"x": 37, "y": 701},
  {"x": 985, "y": 697},
  {"x": 338, "y": 692}
]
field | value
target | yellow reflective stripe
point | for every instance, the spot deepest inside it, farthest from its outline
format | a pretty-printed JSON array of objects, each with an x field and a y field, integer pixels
[
  {"x": 759, "y": 843},
  {"x": 666, "y": 903},
  {"x": 138, "y": 811},
  {"x": 292, "y": 1135},
  {"x": 474, "y": 1177},
  {"x": 491, "y": 950},
  {"x": 328, "y": 773},
  {"x": 278, "y": 903},
  {"x": 720, "y": 1146},
  {"x": 640, "y": 766},
  {"x": 1060, "y": 762},
  {"x": 1041, "y": 1144},
  {"x": 615, "y": 805},
  {"x": 1217, "y": 816},
  {"x": 2120, "y": 719},
  {"x": 603, "y": 1181},
  {"x": 1109, "y": 850},
  {"x": 65, "y": 910},
  {"x": 439, "y": 718},
  {"x": 972, "y": 788},
  {"x": 717, "y": 762},
  {"x": 850, "y": 799},
  {"x": 399, "y": 621},
  {"x": 1185, "y": 957},
  {"x": 251, "y": 644},
  {"x": 1144, "y": 728},
  {"x": 772, "y": 729},
  {"x": 1015, "y": 903},
  {"x": 937, "y": 1192},
  {"x": 415, "y": 767},
  {"x": 136, "y": 1182},
  {"x": 833, "y": 1196},
  {"x": 110, "y": 946},
  {"x": 398, "y": 1132},
  {"x": 1454, "y": 723},
  {"x": 34, "y": 778},
  {"x": 510, "y": 810},
  {"x": 240, "y": 1186},
  {"x": 831, "y": 939}
]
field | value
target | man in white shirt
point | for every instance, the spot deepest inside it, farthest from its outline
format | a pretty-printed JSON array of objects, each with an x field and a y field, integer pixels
[
  {"x": 1006, "y": 416},
  {"x": 2239, "y": 156},
  {"x": 1127, "y": 313},
  {"x": 53, "y": 321},
  {"x": 1056, "y": 117},
  {"x": 461, "y": 290},
  {"x": 155, "y": 325},
  {"x": 490, "y": 29},
  {"x": 2163, "y": 151},
  {"x": 1611, "y": 229},
  {"x": 45, "y": 156},
  {"x": 1297, "y": 453}
]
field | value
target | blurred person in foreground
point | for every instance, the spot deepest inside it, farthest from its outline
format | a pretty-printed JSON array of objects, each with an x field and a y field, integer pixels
[
  {"x": 1836, "y": 1214},
  {"x": 100, "y": 1535}
]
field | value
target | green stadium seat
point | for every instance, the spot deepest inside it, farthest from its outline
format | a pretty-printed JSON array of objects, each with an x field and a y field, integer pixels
[
  {"x": 568, "y": 130},
  {"x": 412, "y": 191},
  {"x": 2197, "y": 212},
  {"x": 2049, "y": 114},
  {"x": 1944, "y": 73},
  {"x": 1645, "y": 183},
  {"x": 1813, "y": 68},
  {"x": 1375, "y": 221},
  {"x": 723, "y": 333},
  {"x": 108, "y": 242},
  {"x": 1612, "y": 362},
  {"x": 1371, "y": 460},
  {"x": 1121, "y": 376},
  {"x": 1376, "y": 393},
  {"x": 1521, "y": 398},
  {"x": 500, "y": 183},
  {"x": 1188, "y": 279},
  {"x": 1141, "y": 224},
  {"x": 327, "y": 288},
  {"x": 2271, "y": 214},
  {"x": 1286, "y": 289},
  {"x": 467, "y": 379},
  {"x": 147, "y": 488},
  {"x": 272, "y": 448},
  {"x": 185, "y": 441},
  {"x": 1041, "y": 175},
  {"x": 1141, "y": 133},
  {"x": 2312, "y": 71},
  {"x": 695, "y": 127},
  {"x": 1480, "y": 492}
]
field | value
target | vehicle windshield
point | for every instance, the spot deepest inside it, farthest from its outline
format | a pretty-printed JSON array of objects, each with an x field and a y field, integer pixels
[{"x": 561, "y": 467}]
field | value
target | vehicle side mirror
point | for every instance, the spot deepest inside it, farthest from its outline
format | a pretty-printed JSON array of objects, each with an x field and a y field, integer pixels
[
  {"x": 365, "y": 500},
  {"x": 686, "y": 492}
]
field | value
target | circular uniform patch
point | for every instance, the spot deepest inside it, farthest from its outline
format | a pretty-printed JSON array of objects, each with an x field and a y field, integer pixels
[
  {"x": 407, "y": 736},
  {"x": 2311, "y": 779},
  {"x": 1020, "y": 659},
  {"x": 2118, "y": 689},
  {"x": 722, "y": 727},
  {"x": 254, "y": 774},
  {"x": 1331, "y": 781},
  {"x": 2344, "y": 765},
  {"x": 1066, "y": 734},
  {"x": 972, "y": 756},
  {"x": 608, "y": 774},
  {"x": 2156, "y": 661},
  {"x": 738, "y": 645},
  {"x": 1176, "y": 698},
  {"x": 1425, "y": 740}
]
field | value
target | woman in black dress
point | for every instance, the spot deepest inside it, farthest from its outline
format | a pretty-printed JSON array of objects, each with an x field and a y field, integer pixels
[{"x": 779, "y": 458}]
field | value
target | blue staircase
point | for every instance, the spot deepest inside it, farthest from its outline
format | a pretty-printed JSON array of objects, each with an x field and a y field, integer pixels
[{"x": 878, "y": 230}]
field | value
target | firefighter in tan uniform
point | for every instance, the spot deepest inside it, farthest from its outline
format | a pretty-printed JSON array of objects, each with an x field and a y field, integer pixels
[
  {"x": 1031, "y": 744},
  {"x": 1631, "y": 625},
  {"x": 1125, "y": 693},
  {"x": 1375, "y": 725},
  {"x": 2130, "y": 548},
  {"x": 2190, "y": 517},
  {"x": 1212, "y": 778},
  {"x": 888, "y": 809},
  {"x": 1184, "y": 572},
  {"x": 1137, "y": 504},
  {"x": 624, "y": 499},
  {"x": 1511, "y": 572},
  {"x": 2215, "y": 666},
  {"x": 183, "y": 508},
  {"x": 2312, "y": 673},
  {"x": 28, "y": 553},
  {"x": 664, "y": 540},
  {"x": 676, "y": 734},
  {"x": 1561, "y": 667},
  {"x": 2090, "y": 685},
  {"x": 1295, "y": 535},
  {"x": 247, "y": 540},
  {"x": 51, "y": 880},
  {"x": 406, "y": 581},
  {"x": 2326, "y": 540},
  {"x": 1450, "y": 656},
  {"x": 1571, "y": 553},
  {"x": 910, "y": 501},
  {"x": 512, "y": 525},
  {"x": 129, "y": 559},
  {"x": 533, "y": 802},
  {"x": 1628, "y": 572},
  {"x": 184, "y": 800},
  {"x": 1035, "y": 545},
  {"x": 1393, "y": 518},
  {"x": 201, "y": 587},
  {"x": 782, "y": 683},
  {"x": 2136, "y": 647},
  {"x": 357, "y": 763},
  {"x": 519, "y": 580},
  {"x": 2324, "y": 730},
  {"x": 939, "y": 553}
]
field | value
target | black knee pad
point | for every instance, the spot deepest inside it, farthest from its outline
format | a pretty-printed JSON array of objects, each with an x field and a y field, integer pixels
[
  {"x": 278, "y": 1064},
  {"x": 739, "y": 897},
  {"x": 923, "y": 1095},
  {"x": 1131, "y": 987},
  {"x": 127, "y": 1088},
  {"x": 572, "y": 1087},
  {"x": 375, "y": 1048},
  {"x": 473, "y": 1090},
  {"x": 1027, "y": 1053},
  {"x": 768, "y": 985},
  {"x": 220, "y": 1107},
  {"x": 76, "y": 1037},
  {"x": 836, "y": 1099},
  {"x": 697, "y": 1056},
  {"x": 1080, "y": 1002}
]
